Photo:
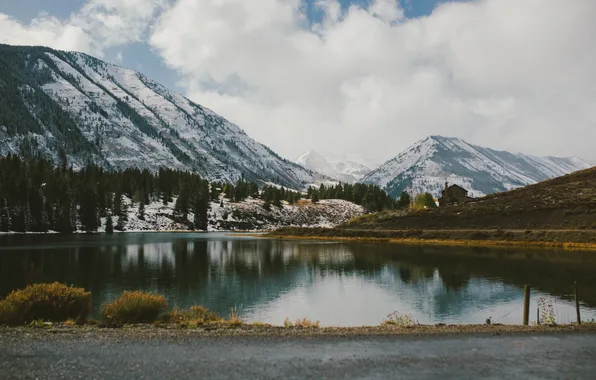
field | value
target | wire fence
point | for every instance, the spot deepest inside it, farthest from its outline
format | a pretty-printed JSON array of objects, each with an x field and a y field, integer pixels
[{"x": 550, "y": 309}]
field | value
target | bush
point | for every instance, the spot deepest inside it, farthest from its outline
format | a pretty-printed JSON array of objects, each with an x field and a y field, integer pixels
[
  {"x": 196, "y": 315},
  {"x": 302, "y": 323},
  {"x": 46, "y": 302},
  {"x": 397, "y": 319},
  {"x": 134, "y": 307}
]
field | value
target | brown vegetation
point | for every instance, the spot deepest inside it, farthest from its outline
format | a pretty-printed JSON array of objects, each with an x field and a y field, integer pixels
[
  {"x": 567, "y": 202},
  {"x": 554, "y": 211},
  {"x": 49, "y": 302},
  {"x": 134, "y": 307}
]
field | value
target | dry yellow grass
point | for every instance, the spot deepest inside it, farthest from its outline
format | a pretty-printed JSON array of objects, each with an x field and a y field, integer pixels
[
  {"x": 471, "y": 243},
  {"x": 54, "y": 302},
  {"x": 301, "y": 323},
  {"x": 134, "y": 307}
]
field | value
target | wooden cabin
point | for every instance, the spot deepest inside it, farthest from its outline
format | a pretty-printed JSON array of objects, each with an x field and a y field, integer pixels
[{"x": 453, "y": 194}]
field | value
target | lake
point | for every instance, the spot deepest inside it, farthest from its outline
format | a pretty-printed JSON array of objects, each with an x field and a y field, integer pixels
[{"x": 337, "y": 283}]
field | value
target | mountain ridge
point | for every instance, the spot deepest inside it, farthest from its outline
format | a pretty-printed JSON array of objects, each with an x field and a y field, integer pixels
[
  {"x": 70, "y": 106},
  {"x": 343, "y": 170},
  {"x": 429, "y": 163}
]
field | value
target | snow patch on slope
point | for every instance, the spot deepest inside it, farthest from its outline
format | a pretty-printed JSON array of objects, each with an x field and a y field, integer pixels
[
  {"x": 129, "y": 120},
  {"x": 428, "y": 164},
  {"x": 342, "y": 170},
  {"x": 248, "y": 215}
]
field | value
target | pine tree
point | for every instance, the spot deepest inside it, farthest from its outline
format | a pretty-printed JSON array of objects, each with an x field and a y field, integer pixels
[
  {"x": 109, "y": 225},
  {"x": 201, "y": 219},
  {"x": 122, "y": 214},
  {"x": 276, "y": 201},
  {"x": 315, "y": 196},
  {"x": 117, "y": 208},
  {"x": 88, "y": 212},
  {"x": 182, "y": 204},
  {"x": 27, "y": 220},
  {"x": 404, "y": 200},
  {"x": 141, "y": 210},
  {"x": 5, "y": 220}
]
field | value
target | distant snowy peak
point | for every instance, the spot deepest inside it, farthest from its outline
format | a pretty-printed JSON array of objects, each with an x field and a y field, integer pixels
[
  {"x": 429, "y": 163},
  {"x": 344, "y": 171},
  {"x": 71, "y": 105}
]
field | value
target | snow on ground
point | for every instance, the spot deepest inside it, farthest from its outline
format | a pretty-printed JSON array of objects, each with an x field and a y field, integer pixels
[{"x": 248, "y": 215}]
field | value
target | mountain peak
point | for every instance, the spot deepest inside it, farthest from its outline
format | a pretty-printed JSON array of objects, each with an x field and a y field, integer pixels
[
  {"x": 427, "y": 164},
  {"x": 74, "y": 106},
  {"x": 342, "y": 170}
]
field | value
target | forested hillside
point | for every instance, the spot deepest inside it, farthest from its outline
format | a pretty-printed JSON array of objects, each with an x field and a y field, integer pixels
[
  {"x": 37, "y": 196},
  {"x": 67, "y": 106}
]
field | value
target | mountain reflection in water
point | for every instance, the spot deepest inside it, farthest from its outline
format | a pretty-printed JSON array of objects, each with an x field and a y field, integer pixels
[{"x": 337, "y": 283}]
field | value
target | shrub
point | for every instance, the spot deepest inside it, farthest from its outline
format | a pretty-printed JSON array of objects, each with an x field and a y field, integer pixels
[
  {"x": 397, "y": 319},
  {"x": 302, "y": 323},
  {"x": 195, "y": 316},
  {"x": 45, "y": 302},
  {"x": 134, "y": 307},
  {"x": 235, "y": 319}
]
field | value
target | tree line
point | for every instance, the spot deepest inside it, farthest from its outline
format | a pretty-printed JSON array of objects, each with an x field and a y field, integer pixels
[
  {"x": 371, "y": 197},
  {"x": 37, "y": 196}
]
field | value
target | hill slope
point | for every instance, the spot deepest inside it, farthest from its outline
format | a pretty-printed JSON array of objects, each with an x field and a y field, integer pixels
[
  {"x": 567, "y": 202},
  {"x": 70, "y": 106},
  {"x": 554, "y": 213},
  {"x": 428, "y": 164}
]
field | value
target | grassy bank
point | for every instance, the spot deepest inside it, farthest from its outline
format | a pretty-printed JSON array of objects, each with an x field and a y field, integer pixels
[
  {"x": 63, "y": 308},
  {"x": 258, "y": 329},
  {"x": 558, "y": 213},
  {"x": 564, "y": 239}
]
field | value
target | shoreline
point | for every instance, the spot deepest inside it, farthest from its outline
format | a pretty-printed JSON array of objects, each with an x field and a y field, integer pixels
[
  {"x": 226, "y": 330},
  {"x": 565, "y": 239},
  {"x": 238, "y": 232},
  {"x": 280, "y": 234},
  {"x": 572, "y": 246}
]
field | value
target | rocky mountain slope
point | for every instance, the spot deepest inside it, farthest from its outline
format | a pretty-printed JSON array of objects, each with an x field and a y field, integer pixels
[
  {"x": 344, "y": 170},
  {"x": 72, "y": 107},
  {"x": 248, "y": 215},
  {"x": 429, "y": 163}
]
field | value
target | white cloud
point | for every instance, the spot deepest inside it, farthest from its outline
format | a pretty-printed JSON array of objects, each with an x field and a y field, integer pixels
[
  {"x": 511, "y": 74},
  {"x": 117, "y": 22},
  {"x": 98, "y": 25},
  {"x": 45, "y": 30}
]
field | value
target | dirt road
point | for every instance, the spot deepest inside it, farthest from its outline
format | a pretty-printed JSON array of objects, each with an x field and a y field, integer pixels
[{"x": 463, "y": 356}]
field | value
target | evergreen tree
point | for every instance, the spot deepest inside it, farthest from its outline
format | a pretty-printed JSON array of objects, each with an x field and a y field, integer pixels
[
  {"x": 201, "y": 208},
  {"x": 117, "y": 209},
  {"x": 88, "y": 213},
  {"x": 182, "y": 204},
  {"x": 5, "y": 220},
  {"x": 276, "y": 199},
  {"x": 141, "y": 210},
  {"x": 109, "y": 225},
  {"x": 315, "y": 196},
  {"x": 404, "y": 200}
]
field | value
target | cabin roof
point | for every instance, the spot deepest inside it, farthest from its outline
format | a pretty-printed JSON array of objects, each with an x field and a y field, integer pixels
[{"x": 454, "y": 185}]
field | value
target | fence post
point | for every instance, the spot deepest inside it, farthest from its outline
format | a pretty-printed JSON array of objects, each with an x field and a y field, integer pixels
[
  {"x": 527, "y": 305},
  {"x": 579, "y": 318}
]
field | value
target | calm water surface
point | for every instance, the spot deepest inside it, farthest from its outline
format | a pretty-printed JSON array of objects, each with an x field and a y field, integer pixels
[{"x": 342, "y": 284}]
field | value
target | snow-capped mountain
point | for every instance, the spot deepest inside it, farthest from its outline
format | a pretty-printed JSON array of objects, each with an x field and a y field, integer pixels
[
  {"x": 428, "y": 164},
  {"x": 341, "y": 169},
  {"x": 71, "y": 106}
]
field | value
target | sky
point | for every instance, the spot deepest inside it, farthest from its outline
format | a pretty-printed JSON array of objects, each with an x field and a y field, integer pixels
[{"x": 357, "y": 77}]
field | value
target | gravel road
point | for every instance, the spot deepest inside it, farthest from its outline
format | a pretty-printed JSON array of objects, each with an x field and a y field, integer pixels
[{"x": 30, "y": 354}]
